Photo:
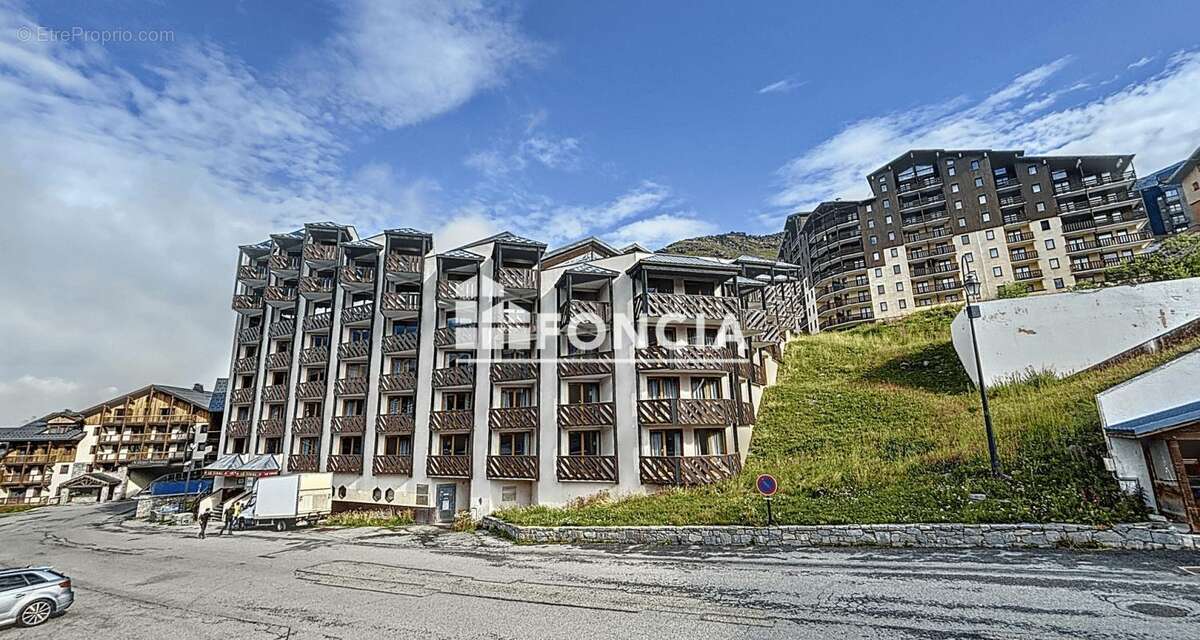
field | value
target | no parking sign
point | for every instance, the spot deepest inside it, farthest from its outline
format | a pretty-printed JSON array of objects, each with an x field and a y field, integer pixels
[{"x": 767, "y": 486}]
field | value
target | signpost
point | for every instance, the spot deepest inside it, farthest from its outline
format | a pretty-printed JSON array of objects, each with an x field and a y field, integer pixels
[{"x": 767, "y": 487}]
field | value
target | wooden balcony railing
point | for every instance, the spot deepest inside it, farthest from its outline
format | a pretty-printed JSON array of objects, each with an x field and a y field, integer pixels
[
  {"x": 344, "y": 463},
  {"x": 460, "y": 420},
  {"x": 245, "y": 365},
  {"x": 585, "y": 364},
  {"x": 311, "y": 390},
  {"x": 513, "y": 418},
  {"x": 688, "y": 470},
  {"x": 453, "y": 290},
  {"x": 303, "y": 463},
  {"x": 514, "y": 371},
  {"x": 396, "y": 382},
  {"x": 354, "y": 350},
  {"x": 512, "y": 467},
  {"x": 320, "y": 252},
  {"x": 403, "y": 264},
  {"x": 250, "y": 335},
  {"x": 350, "y": 387},
  {"x": 691, "y": 306},
  {"x": 271, "y": 428},
  {"x": 395, "y": 423},
  {"x": 282, "y": 328},
  {"x": 588, "y": 312},
  {"x": 348, "y": 424},
  {"x": 316, "y": 286},
  {"x": 251, "y": 273},
  {"x": 275, "y": 393},
  {"x": 283, "y": 263},
  {"x": 358, "y": 313},
  {"x": 279, "y": 360},
  {"x": 395, "y": 303},
  {"x": 400, "y": 343},
  {"x": 460, "y": 376},
  {"x": 587, "y": 468},
  {"x": 457, "y": 336},
  {"x": 677, "y": 411},
  {"x": 306, "y": 426},
  {"x": 519, "y": 278},
  {"x": 356, "y": 277},
  {"x": 318, "y": 321},
  {"x": 280, "y": 295},
  {"x": 315, "y": 355},
  {"x": 392, "y": 465},
  {"x": 688, "y": 357},
  {"x": 242, "y": 396},
  {"x": 448, "y": 466},
  {"x": 237, "y": 428},
  {"x": 245, "y": 303},
  {"x": 587, "y": 414}
]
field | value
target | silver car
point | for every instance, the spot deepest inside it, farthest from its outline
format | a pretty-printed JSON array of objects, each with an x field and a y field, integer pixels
[{"x": 31, "y": 596}]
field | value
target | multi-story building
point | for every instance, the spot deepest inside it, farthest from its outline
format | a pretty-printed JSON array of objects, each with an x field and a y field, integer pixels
[
  {"x": 496, "y": 373},
  {"x": 1045, "y": 222},
  {"x": 37, "y": 457},
  {"x": 1172, "y": 197}
]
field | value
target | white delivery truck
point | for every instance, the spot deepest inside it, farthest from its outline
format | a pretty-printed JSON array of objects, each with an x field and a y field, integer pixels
[{"x": 286, "y": 501}]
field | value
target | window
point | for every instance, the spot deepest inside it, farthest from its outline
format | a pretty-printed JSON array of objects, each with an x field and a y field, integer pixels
[
  {"x": 887, "y": 204},
  {"x": 896, "y": 268},
  {"x": 459, "y": 358},
  {"x": 870, "y": 223},
  {"x": 994, "y": 252},
  {"x": 875, "y": 256},
  {"x": 1045, "y": 225},
  {"x": 12, "y": 581},
  {"x": 454, "y": 444},
  {"x": 273, "y": 445},
  {"x": 962, "y": 222},
  {"x": 1032, "y": 170},
  {"x": 710, "y": 442},
  {"x": 662, "y": 388},
  {"x": 1036, "y": 188},
  {"x": 903, "y": 304},
  {"x": 987, "y": 217},
  {"x": 350, "y": 445},
  {"x": 983, "y": 199},
  {"x": 309, "y": 446},
  {"x": 878, "y": 272},
  {"x": 66, "y": 468},
  {"x": 1059, "y": 284},
  {"x": 1053, "y": 263},
  {"x": 950, "y": 170},
  {"x": 899, "y": 286},
  {"x": 880, "y": 289},
  {"x": 958, "y": 205},
  {"x": 666, "y": 442},
  {"x": 979, "y": 183},
  {"x": 892, "y": 237},
  {"x": 954, "y": 188},
  {"x": 990, "y": 235},
  {"x": 974, "y": 165},
  {"x": 514, "y": 443},
  {"x": 1049, "y": 243},
  {"x": 883, "y": 306},
  {"x": 969, "y": 257},
  {"x": 360, "y": 335},
  {"x": 874, "y": 240},
  {"x": 508, "y": 494},
  {"x": 965, "y": 240},
  {"x": 1041, "y": 206},
  {"x": 456, "y": 400},
  {"x": 895, "y": 252},
  {"x": 997, "y": 271},
  {"x": 583, "y": 443},
  {"x": 583, "y": 392},
  {"x": 693, "y": 288},
  {"x": 511, "y": 397},
  {"x": 706, "y": 388},
  {"x": 887, "y": 219},
  {"x": 660, "y": 285}
]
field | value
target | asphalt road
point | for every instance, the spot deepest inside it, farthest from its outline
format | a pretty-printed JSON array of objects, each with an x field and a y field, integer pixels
[{"x": 139, "y": 581}]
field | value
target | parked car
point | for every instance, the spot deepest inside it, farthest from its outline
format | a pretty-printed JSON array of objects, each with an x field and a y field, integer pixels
[{"x": 33, "y": 595}]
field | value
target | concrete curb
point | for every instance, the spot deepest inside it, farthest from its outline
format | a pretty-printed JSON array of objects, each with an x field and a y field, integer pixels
[{"x": 1134, "y": 536}]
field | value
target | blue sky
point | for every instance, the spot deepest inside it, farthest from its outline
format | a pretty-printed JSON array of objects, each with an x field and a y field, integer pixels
[{"x": 146, "y": 163}]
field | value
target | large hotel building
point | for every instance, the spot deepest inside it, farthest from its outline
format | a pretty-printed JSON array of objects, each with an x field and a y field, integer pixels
[
  {"x": 455, "y": 380},
  {"x": 1043, "y": 222}
]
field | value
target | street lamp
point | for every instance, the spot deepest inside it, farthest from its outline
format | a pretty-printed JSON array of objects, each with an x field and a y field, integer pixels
[{"x": 971, "y": 288}]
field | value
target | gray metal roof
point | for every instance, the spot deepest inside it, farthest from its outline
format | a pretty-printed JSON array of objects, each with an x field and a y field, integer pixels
[
  {"x": 743, "y": 281},
  {"x": 220, "y": 390},
  {"x": 461, "y": 254},
  {"x": 201, "y": 399},
  {"x": 679, "y": 260},
  {"x": 408, "y": 231},
  {"x": 325, "y": 224},
  {"x": 41, "y": 430},
  {"x": 94, "y": 476},
  {"x": 591, "y": 270},
  {"x": 579, "y": 243},
  {"x": 361, "y": 244},
  {"x": 512, "y": 238}
]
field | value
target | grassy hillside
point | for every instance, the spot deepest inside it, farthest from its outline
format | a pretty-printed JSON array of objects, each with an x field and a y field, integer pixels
[
  {"x": 880, "y": 424},
  {"x": 728, "y": 245}
]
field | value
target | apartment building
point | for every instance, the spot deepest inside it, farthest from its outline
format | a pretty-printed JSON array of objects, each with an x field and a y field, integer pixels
[
  {"x": 498, "y": 372},
  {"x": 35, "y": 458},
  {"x": 1045, "y": 222},
  {"x": 1172, "y": 197}
]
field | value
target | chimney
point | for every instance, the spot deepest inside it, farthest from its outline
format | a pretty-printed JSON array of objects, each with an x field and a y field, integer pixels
[{"x": 199, "y": 388}]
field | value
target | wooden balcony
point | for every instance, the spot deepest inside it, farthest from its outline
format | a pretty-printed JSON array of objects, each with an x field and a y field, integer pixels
[
  {"x": 279, "y": 360},
  {"x": 354, "y": 350},
  {"x": 585, "y": 314},
  {"x": 402, "y": 266},
  {"x": 271, "y": 428},
  {"x": 282, "y": 328},
  {"x": 687, "y": 412},
  {"x": 251, "y": 274},
  {"x": 284, "y": 264},
  {"x": 461, "y": 420},
  {"x": 350, "y": 387},
  {"x": 245, "y": 365},
  {"x": 512, "y": 467},
  {"x": 513, "y": 418},
  {"x": 455, "y": 290},
  {"x": 459, "y": 337},
  {"x": 587, "y": 414},
  {"x": 358, "y": 314},
  {"x": 685, "y": 358},
  {"x": 514, "y": 371},
  {"x": 242, "y": 396},
  {"x": 318, "y": 321},
  {"x": 756, "y": 321},
  {"x": 306, "y": 426},
  {"x": 356, "y": 278},
  {"x": 392, "y": 465},
  {"x": 237, "y": 428},
  {"x": 397, "y": 382},
  {"x": 348, "y": 424},
  {"x": 275, "y": 393},
  {"x": 585, "y": 365},
  {"x": 303, "y": 463},
  {"x": 448, "y": 466},
  {"x": 320, "y": 254},
  {"x": 314, "y": 355},
  {"x": 311, "y": 390},
  {"x": 26, "y": 480},
  {"x": 654, "y": 305},
  {"x": 395, "y": 304},
  {"x": 586, "y": 468},
  {"x": 688, "y": 470},
  {"x": 316, "y": 287},
  {"x": 280, "y": 296},
  {"x": 247, "y": 304},
  {"x": 460, "y": 376},
  {"x": 395, "y": 423},
  {"x": 517, "y": 279},
  {"x": 401, "y": 343},
  {"x": 344, "y": 463},
  {"x": 249, "y": 335}
]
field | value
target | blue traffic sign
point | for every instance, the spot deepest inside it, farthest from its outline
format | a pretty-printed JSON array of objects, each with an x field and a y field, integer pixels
[{"x": 767, "y": 486}]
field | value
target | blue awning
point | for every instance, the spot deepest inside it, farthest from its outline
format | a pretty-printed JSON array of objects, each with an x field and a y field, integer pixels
[{"x": 1165, "y": 420}]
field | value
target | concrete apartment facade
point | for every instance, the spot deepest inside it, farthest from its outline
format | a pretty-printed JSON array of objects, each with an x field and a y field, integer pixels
[
  {"x": 1045, "y": 222},
  {"x": 1172, "y": 197},
  {"x": 453, "y": 381}
]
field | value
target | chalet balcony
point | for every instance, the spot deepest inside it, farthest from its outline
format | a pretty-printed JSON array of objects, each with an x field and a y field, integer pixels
[
  {"x": 460, "y": 376},
  {"x": 452, "y": 291},
  {"x": 515, "y": 371},
  {"x": 280, "y": 297},
  {"x": 318, "y": 321},
  {"x": 350, "y": 387},
  {"x": 348, "y": 424},
  {"x": 314, "y": 355},
  {"x": 585, "y": 365},
  {"x": 512, "y": 467},
  {"x": 587, "y": 414},
  {"x": 344, "y": 463},
  {"x": 398, "y": 305},
  {"x": 274, "y": 393},
  {"x": 917, "y": 221},
  {"x": 311, "y": 390},
  {"x": 354, "y": 350},
  {"x": 282, "y": 328},
  {"x": 237, "y": 428},
  {"x": 688, "y": 470},
  {"x": 316, "y": 287},
  {"x": 586, "y": 468},
  {"x": 655, "y": 305},
  {"x": 513, "y": 418},
  {"x": 685, "y": 358},
  {"x": 448, "y": 466},
  {"x": 245, "y": 365},
  {"x": 307, "y": 426},
  {"x": 1015, "y": 218},
  {"x": 590, "y": 314},
  {"x": 271, "y": 428},
  {"x": 248, "y": 304},
  {"x": 395, "y": 423},
  {"x": 392, "y": 465},
  {"x": 251, "y": 274},
  {"x": 457, "y": 337},
  {"x": 279, "y": 360},
  {"x": 320, "y": 255},
  {"x": 358, "y": 315},
  {"x": 354, "y": 278},
  {"x": 924, "y": 238},
  {"x": 693, "y": 412},
  {"x": 458, "y": 420},
  {"x": 402, "y": 266},
  {"x": 398, "y": 382},
  {"x": 517, "y": 280},
  {"x": 249, "y": 335},
  {"x": 399, "y": 343},
  {"x": 284, "y": 265},
  {"x": 242, "y": 396},
  {"x": 755, "y": 321},
  {"x": 303, "y": 463},
  {"x": 24, "y": 480}
]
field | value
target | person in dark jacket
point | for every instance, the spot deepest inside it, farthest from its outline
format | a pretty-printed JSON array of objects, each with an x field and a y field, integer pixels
[{"x": 204, "y": 518}]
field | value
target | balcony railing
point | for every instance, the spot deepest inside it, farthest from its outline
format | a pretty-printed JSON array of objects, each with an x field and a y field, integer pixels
[
  {"x": 245, "y": 365},
  {"x": 282, "y": 328},
  {"x": 279, "y": 360},
  {"x": 348, "y": 424},
  {"x": 271, "y": 428},
  {"x": 237, "y": 428},
  {"x": 397, "y": 382},
  {"x": 577, "y": 365},
  {"x": 456, "y": 420},
  {"x": 318, "y": 321},
  {"x": 1022, "y": 256},
  {"x": 350, "y": 387},
  {"x": 250, "y": 335},
  {"x": 517, "y": 278},
  {"x": 1019, "y": 237},
  {"x": 687, "y": 411},
  {"x": 1032, "y": 274},
  {"x": 356, "y": 277},
  {"x": 397, "y": 303},
  {"x": 712, "y": 307},
  {"x": 311, "y": 390},
  {"x": 303, "y": 463},
  {"x": 402, "y": 264},
  {"x": 512, "y": 467},
  {"x": 320, "y": 253},
  {"x": 354, "y": 350},
  {"x": 306, "y": 426},
  {"x": 274, "y": 393},
  {"x": 392, "y": 465},
  {"x": 315, "y": 355},
  {"x": 687, "y": 357},
  {"x": 688, "y": 470},
  {"x": 242, "y": 396},
  {"x": 587, "y": 468},
  {"x": 316, "y": 287},
  {"x": 1093, "y": 265},
  {"x": 344, "y": 463},
  {"x": 454, "y": 290},
  {"x": 513, "y": 418},
  {"x": 280, "y": 296},
  {"x": 395, "y": 423},
  {"x": 251, "y": 273},
  {"x": 589, "y": 312},
  {"x": 1113, "y": 241},
  {"x": 921, "y": 254},
  {"x": 399, "y": 343},
  {"x": 448, "y": 466},
  {"x": 462, "y": 335},
  {"x": 587, "y": 414},
  {"x": 283, "y": 264},
  {"x": 948, "y": 267},
  {"x": 460, "y": 376},
  {"x": 358, "y": 313},
  {"x": 247, "y": 303},
  {"x": 513, "y": 371}
]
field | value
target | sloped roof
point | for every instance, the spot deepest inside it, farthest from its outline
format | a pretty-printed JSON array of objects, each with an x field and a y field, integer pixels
[
  {"x": 220, "y": 390},
  {"x": 265, "y": 462},
  {"x": 591, "y": 270},
  {"x": 509, "y": 237},
  {"x": 408, "y": 231},
  {"x": 324, "y": 224},
  {"x": 593, "y": 240},
  {"x": 228, "y": 462},
  {"x": 1185, "y": 166},
  {"x": 461, "y": 254},
  {"x": 361, "y": 244},
  {"x": 693, "y": 262},
  {"x": 1165, "y": 420},
  {"x": 92, "y": 477},
  {"x": 201, "y": 399},
  {"x": 41, "y": 430}
]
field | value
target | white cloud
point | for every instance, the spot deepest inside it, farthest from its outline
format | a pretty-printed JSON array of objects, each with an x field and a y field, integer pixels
[
  {"x": 1141, "y": 62},
  {"x": 534, "y": 145},
  {"x": 1154, "y": 118},
  {"x": 35, "y": 391},
  {"x": 659, "y": 230},
  {"x": 783, "y": 86}
]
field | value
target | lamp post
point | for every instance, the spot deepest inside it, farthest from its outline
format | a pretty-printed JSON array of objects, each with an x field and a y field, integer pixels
[{"x": 971, "y": 292}]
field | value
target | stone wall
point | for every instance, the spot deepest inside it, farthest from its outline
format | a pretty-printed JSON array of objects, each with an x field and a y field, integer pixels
[{"x": 1148, "y": 535}]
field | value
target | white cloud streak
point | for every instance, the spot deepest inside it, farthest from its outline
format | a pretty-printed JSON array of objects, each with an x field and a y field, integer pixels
[{"x": 783, "y": 86}]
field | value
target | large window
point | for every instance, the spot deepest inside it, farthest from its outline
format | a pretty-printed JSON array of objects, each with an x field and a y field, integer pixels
[
  {"x": 350, "y": 445},
  {"x": 514, "y": 444},
  {"x": 456, "y": 401},
  {"x": 402, "y": 404},
  {"x": 309, "y": 446},
  {"x": 583, "y": 443},
  {"x": 459, "y": 358},
  {"x": 697, "y": 288},
  {"x": 666, "y": 442},
  {"x": 583, "y": 392},
  {"x": 662, "y": 388},
  {"x": 660, "y": 285},
  {"x": 454, "y": 444},
  {"x": 516, "y": 397},
  {"x": 710, "y": 442},
  {"x": 706, "y": 388},
  {"x": 397, "y": 445}
]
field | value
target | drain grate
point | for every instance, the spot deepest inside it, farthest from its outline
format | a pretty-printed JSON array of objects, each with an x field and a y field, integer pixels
[{"x": 1159, "y": 610}]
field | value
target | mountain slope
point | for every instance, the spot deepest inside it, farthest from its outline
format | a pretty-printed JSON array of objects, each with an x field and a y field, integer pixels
[{"x": 728, "y": 245}]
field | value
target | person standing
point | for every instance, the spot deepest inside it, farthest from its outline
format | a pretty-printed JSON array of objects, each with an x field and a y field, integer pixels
[
  {"x": 231, "y": 516},
  {"x": 204, "y": 518}
]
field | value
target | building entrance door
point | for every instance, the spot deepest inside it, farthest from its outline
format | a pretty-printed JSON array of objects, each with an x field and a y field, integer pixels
[{"x": 445, "y": 502}]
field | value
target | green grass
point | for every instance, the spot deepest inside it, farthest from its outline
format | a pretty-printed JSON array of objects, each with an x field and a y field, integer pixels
[
  {"x": 881, "y": 425},
  {"x": 365, "y": 518},
  {"x": 11, "y": 509}
]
